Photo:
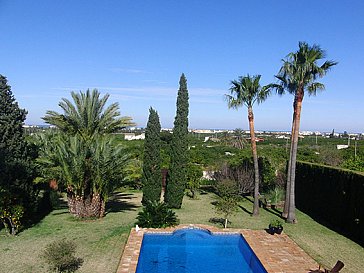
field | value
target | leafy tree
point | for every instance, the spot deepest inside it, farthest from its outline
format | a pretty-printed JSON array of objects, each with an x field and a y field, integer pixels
[
  {"x": 16, "y": 167},
  {"x": 298, "y": 75},
  {"x": 240, "y": 168},
  {"x": 228, "y": 198},
  {"x": 156, "y": 215},
  {"x": 152, "y": 176},
  {"x": 355, "y": 164},
  {"x": 176, "y": 179},
  {"x": 133, "y": 173},
  {"x": 194, "y": 175},
  {"x": 85, "y": 158},
  {"x": 246, "y": 91}
]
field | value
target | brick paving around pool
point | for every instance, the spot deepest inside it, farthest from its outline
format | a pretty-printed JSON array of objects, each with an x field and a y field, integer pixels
[{"x": 277, "y": 253}]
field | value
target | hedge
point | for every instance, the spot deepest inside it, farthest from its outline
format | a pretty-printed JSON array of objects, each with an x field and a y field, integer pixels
[{"x": 333, "y": 196}]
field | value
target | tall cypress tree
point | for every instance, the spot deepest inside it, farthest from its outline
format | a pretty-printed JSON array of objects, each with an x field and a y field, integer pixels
[
  {"x": 152, "y": 176},
  {"x": 176, "y": 179},
  {"x": 16, "y": 167}
]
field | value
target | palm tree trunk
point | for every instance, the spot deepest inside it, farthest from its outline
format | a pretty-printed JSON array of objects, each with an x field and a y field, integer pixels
[
  {"x": 288, "y": 185},
  {"x": 255, "y": 160},
  {"x": 291, "y": 217},
  {"x": 90, "y": 206}
]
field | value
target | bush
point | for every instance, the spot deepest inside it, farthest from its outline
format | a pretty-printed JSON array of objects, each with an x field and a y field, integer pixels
[
  {"x": 228, "y": 198},
  {"x": 275, "y": 195},
  {"x": 11, "y": 213},
  {"x": 194, "y": 175},
  {"x": 156, "y": 215},
  {"x": 60, "y": 256}
]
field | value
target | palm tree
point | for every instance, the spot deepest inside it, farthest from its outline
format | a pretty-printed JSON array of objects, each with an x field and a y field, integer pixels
[
  {"x": 298, "y": 75},
  {"x": 87, "y": 116},
  {"x": 82, "y": 153},
  {"x": 239, "y": 141},
  {"x": 246, "y": 91},
  {"x": 87, "y": 179}
]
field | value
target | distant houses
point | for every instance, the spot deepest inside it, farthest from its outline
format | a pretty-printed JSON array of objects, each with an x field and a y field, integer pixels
[
  {"x": 132, "y": 136},
  {"x": 135, "y": 133}
]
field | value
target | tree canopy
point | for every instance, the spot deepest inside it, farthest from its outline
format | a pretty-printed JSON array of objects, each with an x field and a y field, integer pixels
[
  {"x": 87, "y": 115},
  {"x": 16, "y": 165}
]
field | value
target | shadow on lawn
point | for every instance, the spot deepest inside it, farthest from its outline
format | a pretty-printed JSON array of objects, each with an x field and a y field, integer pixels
[
  {"x": 119, "y": 202},
  {"x": 216, "y": 220},
  {"x": 273, "y": 211}
]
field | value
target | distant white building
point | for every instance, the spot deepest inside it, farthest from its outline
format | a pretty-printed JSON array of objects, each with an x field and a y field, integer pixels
[
  {"x": 203, "y": 131},
  {"x": 339, "y": 147},
  {"x": 283, "y": 137},
  {"x": 132, "y": 136},
  {"x": 306, "y": 133}
]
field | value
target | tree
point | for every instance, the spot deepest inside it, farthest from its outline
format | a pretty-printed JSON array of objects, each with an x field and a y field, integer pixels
[
  {"x": 156, "y": 215},
  {"x": 239, "y": 141},
  {"x": 88, "y": 172},
  {"x": 246, "y": 91},
  {"x": 16, "y": 168},
  {"x": 85, "y": 155},
  {"x": 133, "y": 173},
  {"x": 152, "y": 175},
  {"x": 176, "y": 179},
  {"x": 87, "y": 116},
  {"x": 298, "y": 75},
  {"x": 194, "y": 175},
  {"x": 228, "y": 198}
]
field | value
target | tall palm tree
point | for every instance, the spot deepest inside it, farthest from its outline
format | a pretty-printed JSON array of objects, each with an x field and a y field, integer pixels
[
  {"x": 246, "y": 91},
  {"x": 298, "y": 75},
  {"x": 87, "y": 115}
]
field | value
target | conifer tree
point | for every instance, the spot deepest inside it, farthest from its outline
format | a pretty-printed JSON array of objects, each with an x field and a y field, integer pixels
[
  {"x": 177, "y": 174},
  {"x": 152, "y": 176},
  {"x": 16, "y": 168}
]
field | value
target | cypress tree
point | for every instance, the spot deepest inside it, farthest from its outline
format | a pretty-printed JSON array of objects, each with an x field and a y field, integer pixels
[
  {"x": 16, "y": 164},
  {"x": 13, "y": 148},
  {"x": 176, "y": 179},
  {"x": 152, "y": 176}
]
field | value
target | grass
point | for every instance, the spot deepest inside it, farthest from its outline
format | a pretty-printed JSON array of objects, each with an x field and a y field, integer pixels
[{"x": 100, "y": 242}]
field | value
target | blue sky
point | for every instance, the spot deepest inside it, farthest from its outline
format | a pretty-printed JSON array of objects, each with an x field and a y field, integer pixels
[{"x": 136, "y": 51}]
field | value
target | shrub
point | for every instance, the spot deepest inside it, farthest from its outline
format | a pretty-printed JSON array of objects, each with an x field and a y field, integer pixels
[
  {"x": 11, "y": 213},
  {"x": 228, "y": 198},
  {"x": 156, "y": 215},
  {"x": 276, "y": 223},
  {"x": 194, "y": 174},
  {"x": 60, "y": 256},
  {"x": 275, "y": 195}
]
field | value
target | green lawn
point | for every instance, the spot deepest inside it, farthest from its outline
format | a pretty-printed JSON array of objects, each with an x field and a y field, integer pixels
[{"x": 100, "y": 242}]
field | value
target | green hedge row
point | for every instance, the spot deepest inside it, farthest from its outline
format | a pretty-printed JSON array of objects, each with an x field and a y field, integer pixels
[{"x": 333, "y": 196}]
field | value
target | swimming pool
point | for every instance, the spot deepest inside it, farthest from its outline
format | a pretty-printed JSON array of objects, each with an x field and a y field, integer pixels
[{"x": 196, "y": 251}]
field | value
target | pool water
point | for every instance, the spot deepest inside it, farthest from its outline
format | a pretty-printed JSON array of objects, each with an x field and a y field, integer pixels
[{"x": 197, "y": 251}]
